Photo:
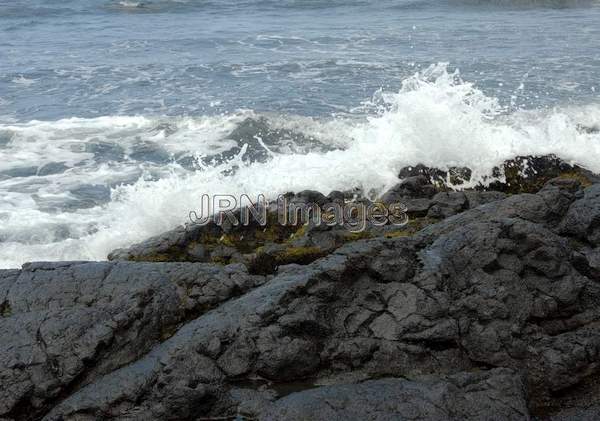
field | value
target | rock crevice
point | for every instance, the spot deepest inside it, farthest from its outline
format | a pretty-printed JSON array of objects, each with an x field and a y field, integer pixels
[{"x": 486, "y": 307}]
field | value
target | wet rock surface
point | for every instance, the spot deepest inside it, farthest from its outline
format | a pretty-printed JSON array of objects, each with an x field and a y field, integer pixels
[{"x": 486, "y": 305}]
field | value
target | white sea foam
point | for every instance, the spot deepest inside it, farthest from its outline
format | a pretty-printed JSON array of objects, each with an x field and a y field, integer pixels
[
  {"x": 21, "y": 80},
  {"x": 133, "y": 4},
  {"x": 435, "y": 119}
]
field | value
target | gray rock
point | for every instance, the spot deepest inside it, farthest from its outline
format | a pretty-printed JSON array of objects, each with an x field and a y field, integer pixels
[
  {"x": 591, "y": 413},
  {"x": 487, "y": 314},
  {"x": 416, "y": 207},
  {"x": 309, "y": 197},
  {"x": 497, "y": 394},
  {"x": 448, "y": 204},
  {"x": 583, "y": 217},
  {"x": 414, "y": 187},
  {"x": 423, "y": 199},
  {"x": 67, "y": 324},
  {"x": 483, "y": 294},
  {"x": 430, "y": 174},
  {"x": 477, "y": 198}
]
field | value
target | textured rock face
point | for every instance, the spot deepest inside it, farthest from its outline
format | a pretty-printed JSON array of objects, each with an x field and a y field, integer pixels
[
  {"x": 66, "y": 324},
  {"x": 471, "y": 396},
  {"x": 490, "y": 311}
]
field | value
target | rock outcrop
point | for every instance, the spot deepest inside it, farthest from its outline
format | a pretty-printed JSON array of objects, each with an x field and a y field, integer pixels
[{"x": 485, "y": 306}]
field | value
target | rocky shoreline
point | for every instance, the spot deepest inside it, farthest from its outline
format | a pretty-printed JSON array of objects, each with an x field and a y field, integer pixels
[{"x": 485, "y": 306}]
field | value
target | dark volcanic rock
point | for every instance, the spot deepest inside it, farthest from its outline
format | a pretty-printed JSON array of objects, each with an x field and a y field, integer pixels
[
  {"x": 527, "y": 174},
  {"x": 523, "y": 174},
  {"x": 580, "y": 414},
  {"x": 448, "y": 204},
  {"x": 489, "y": 313},
  {"x": 465, "y": 396},
  {"x": 436, "y": 201},
  {"x": 65, "y": 324},
  {"x": 583, "y": 217},
  {"x": 262, "y": 248},
  {"x": 430, "y": 174},
  {"x": 415, "y": 187}
]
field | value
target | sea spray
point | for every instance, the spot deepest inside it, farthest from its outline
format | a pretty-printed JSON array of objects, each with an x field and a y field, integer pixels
[{"x": 436, "y": 119}]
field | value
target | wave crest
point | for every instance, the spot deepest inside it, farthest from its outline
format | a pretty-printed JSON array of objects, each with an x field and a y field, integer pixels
[{"x": 436, "y": 119}]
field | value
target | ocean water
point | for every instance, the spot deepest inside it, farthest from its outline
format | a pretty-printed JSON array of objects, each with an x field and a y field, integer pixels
[{"x": 116, "y": 116}]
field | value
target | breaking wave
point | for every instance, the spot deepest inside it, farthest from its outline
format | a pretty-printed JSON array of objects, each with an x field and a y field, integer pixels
[{"x": 75, "y": 189}]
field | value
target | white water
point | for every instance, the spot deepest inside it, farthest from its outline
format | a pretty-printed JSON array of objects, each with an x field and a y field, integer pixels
[{"x": 435, "y": 119}]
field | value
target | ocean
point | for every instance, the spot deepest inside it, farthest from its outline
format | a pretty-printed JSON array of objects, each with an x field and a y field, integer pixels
[{"x": 117, "y": 116}]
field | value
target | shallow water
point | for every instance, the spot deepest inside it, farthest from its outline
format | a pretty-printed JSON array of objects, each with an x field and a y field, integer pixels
[{"x": 116, "y": 116}]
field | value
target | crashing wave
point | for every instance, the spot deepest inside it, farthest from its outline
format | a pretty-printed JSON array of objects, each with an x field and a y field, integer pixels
[{"x": 123, "y": 179}]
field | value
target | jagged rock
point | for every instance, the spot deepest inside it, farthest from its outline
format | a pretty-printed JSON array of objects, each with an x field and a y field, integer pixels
[
  {"x": 448, "y": 204},
  {"x": 416, "y": 207},
  {"x": 422, "y": 200},
  {"x": 490, "y": 313},
  {"x": 583, "y": 217},
  {"x": 523, "y": 174},
  {"x": 262, "y": 248},
  {"x": 310, "y": 196},
  {"x": 478, "y": 198},
  {"x": 227, "y": 244},
  {"x": 527, "y": 174},
  {"x": 430, "y": 174},
  {"x": 65, "y": 324},
  {"x": 588, "y": 262},
  {"x": 415, "y": 187}
]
